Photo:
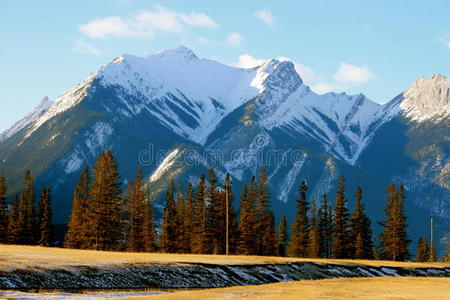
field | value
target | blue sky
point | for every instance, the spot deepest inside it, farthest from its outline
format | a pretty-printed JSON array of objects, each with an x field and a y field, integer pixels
[{"x": 374, "y": 47}]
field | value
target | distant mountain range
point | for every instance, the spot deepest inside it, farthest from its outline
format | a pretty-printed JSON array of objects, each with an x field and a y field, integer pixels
[{"x": 178, "y": 115}]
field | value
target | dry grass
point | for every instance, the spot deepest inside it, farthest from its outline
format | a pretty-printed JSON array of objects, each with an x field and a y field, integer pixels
[
  {"x": 19, "y": 257},
  {"x": 355, "y": 288}
]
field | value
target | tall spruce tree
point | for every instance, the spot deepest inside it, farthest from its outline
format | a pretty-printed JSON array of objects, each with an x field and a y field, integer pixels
[
  {"x": 360, "y": 231},
  {"x": 423, "y": 250},
  {"x": 181, "y": 215},
  {"x": 298, "y": 245},
  {"x": 265, "y": 230},
  {"x": 246, "y": 225},
  {"x": 325, "y": 222},
  {"x": 45, "y": 219},
  {"x": 140, "y": 237},
  {"x": 169, "y": 222},
  {"x": 282, "y": 236},
  {"x": 3, "y": 211},
  {"x": 198, "y": 239},
  {"x": 189, "y": 203},
  {"x": 394, "y": 237},
  {"x": 105, "y": 212},
  {"x": 14, "y": 229},
  {"x": 215, "y": 217},
  {"x": 28, "y": 212},
  {"x": 78, "y": 227},
  {"x": 314, "y": 234},
  {"x": 341, "y": 236},
  {"x": 227, "y": 191},
  {"x": 149, "y": 225}
]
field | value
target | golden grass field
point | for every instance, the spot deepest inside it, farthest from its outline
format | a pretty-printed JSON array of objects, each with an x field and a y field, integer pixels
[
  {"x": 22, "y": 257},
  {"x": 413, "y": 288}
]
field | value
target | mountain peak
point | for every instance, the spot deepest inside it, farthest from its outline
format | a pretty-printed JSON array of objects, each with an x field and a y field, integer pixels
[
  {"x": 428, "y": 98},
  {"x": 180, "y": 52}
]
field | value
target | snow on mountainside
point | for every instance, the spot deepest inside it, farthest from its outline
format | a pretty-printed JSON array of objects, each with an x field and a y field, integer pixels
[
  {"x": 37, "y": 112},
  {"x": 191, "y": 96},
  {"x": 427, "y": 99}
]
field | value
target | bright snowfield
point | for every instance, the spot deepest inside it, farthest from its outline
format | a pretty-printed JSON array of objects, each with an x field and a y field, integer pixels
[{"x": 206, "y": 91}]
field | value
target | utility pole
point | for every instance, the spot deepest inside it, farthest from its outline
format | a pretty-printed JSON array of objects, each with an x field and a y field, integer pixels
[
  {"x": 227, "y": 221},
  {"x": 431, "y": 235}
]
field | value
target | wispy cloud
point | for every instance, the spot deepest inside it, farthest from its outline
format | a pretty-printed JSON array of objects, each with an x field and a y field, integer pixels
[
  {"x": 145, "y": 24},
  {"x": 81, "y": 46},
  {"x": 348, "y": 73},
  {"x": 266, "y": 16},
  {"x": 234, "y": 40}
]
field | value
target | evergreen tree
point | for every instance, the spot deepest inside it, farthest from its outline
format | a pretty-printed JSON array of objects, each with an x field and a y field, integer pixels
[
  {"x": 265, "y": 230},
  {"x": 394, "y": 237},
  {"x": 314, "y": 235},
  {"x": 189, "y": 202},
  {"x": 423, "y": 250},
  {"x": 169, "y": 222},
  {"x": 78, "y": 226},
  {"x": 105, "y": 211},
  {"x": 325, "y": 221},
  {"x": 14, "y": 228},
  {"x": 198, "y": 239},
  {"x": 282, "y": 236},
  {"x": 180, "y": 229},
  {"x": 232, "y": 223},
  {"x": 360, "y": 229},
  {"x": 3, "y": 211},
  {"x": 341, "y": 238},
  {"x": 149, "y": 230},
  {"x": 45, "y": 219},
  {"x": 298, "y": 246},
  {"x": 246, "y": 225},
  {"x": 447, "y": 256},
  {"x": 215, "y": 218},
  {"x": 28, "y": 212},
  {"x": 141, "y": 236}
]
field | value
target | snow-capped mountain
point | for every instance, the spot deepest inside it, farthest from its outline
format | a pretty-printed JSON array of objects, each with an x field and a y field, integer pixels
[{"x": 172, "y": 110}]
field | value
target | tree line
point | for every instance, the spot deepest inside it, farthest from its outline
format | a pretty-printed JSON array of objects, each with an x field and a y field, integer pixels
[{"x": 196, "y": 219}]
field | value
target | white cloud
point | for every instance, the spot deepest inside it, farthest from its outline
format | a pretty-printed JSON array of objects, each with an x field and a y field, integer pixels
[
  {"x": 144, "y": 24},
  {"x": 348, "y": 73},
  {"x": 234, "y": 40},
  {"x": 247, "y": 61},
  {"x": 80, "y": 46},
  {"x": 266, "y": 16}
]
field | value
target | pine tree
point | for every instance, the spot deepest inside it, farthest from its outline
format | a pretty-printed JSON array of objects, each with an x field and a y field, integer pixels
[
  {"x": 314, "y": 235},
  {"x": 28, "y": 212},
  {"x": 14, "y": 229},
  {"x": 78, "y": 226},
  {"x": 265, "y": 230},
  {"x": 169, "y": 223},
  {"x": 360, "y": 229},
  {"x": 423, "y": 250},
  {"x": 149, "y": 231},
  {"x": 180, "y": 229},
  {"x": 232, "y": 224},
  {"x": 105, "y": 209},
  {"x": 394, "y": 238},
  {"x": 215, "y": 218},
  {"x": 282, "y": 236},
  {"x": 325, "y": 221},
  {"x": 298, "y": 246},
  {"x": 246, "y": 223},
  {"x": 3, "y": 211},
  {"x": 189, "y": 202},
  {"x": 341, "y": 238},
  {"x": 198, "y": 239},
  {"x": 141, "y": 236},
  {"x": 45, "y": 219}
]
